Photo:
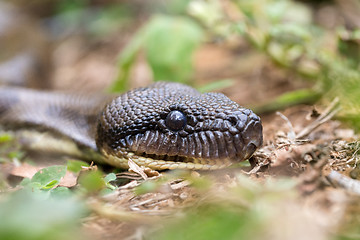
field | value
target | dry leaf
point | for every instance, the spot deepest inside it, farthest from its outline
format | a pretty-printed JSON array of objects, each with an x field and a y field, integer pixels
[{"x": 135, "y": 168}]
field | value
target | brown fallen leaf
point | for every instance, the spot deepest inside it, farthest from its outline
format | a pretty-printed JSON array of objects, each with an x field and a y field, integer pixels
[
  {"x": 69, "y": 180},
  {"x": 25, "y": 170}
]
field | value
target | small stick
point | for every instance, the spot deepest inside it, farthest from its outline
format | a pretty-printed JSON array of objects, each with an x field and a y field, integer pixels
[
  {"x": 118, "y": 214},
  {"x": 347, "y": 183},
  {"x": 329, "y": 112},
  {"x": 291, "y": 128}
]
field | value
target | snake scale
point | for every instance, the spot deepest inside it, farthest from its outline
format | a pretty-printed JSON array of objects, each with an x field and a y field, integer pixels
[{"x": 162, "y": 126}]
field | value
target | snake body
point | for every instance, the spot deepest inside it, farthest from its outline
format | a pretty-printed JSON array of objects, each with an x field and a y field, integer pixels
[{"x": 162, "y": 126}]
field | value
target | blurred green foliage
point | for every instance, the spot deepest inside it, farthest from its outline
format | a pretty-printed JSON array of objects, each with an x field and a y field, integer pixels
[
  {"x": 9, "y": 148},
  {"x": 213, "y": 222},
  {"x": 44, "y": 184},
  {"x": 243, "y": 211},
  {"x": 76, "y": 165},
  {"x": 46, "y": 178},
  {"x": 168, "y": 43},
  {"x": 216, "y": 85},
  {"x": 284, "y": 31},
  {"x": 25, "y": 216},
  {"x": 349, "y": 46},
  {"x": 94, "y": 181},
  {"x": 74, "y": 17}
]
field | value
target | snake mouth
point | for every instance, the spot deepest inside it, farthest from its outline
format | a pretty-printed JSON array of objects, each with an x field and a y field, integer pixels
[
  {"x": 162, "y": 162},
  {"x": 172, "y": 154},
  {"x": 166, "y": 157}
]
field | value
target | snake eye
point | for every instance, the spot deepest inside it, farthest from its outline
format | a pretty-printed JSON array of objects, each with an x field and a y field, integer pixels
[{"x": 175, "y": 120}]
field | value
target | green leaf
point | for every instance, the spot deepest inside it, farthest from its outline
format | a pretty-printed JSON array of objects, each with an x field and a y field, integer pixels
[
  {"x": 170, "y": 44},
  {"x": 25, "y": 182},
  {"x": 49, "y": 177},
  {"x": 34, "y": 186},
  {"x": 92, "y": 181},
  {"x": 110, "y": 177},
  {"x": 76, "y": 165},
  {"x": 50, "y": 185}
]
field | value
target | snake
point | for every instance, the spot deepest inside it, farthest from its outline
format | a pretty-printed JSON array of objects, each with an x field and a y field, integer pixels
[{"x": 162, "y": 126}]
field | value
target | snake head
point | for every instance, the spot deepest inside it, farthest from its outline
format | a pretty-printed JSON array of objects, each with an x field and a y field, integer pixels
[{"x": 170, "y": 125}]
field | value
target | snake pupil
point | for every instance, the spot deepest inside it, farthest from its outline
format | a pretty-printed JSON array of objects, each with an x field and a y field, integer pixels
[{"x": 175, "y": 120}]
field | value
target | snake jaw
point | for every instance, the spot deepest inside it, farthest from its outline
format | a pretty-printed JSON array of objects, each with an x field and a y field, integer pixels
[
  {"x": 119, "y": 157},
  {"x": 121, "y": 161}
]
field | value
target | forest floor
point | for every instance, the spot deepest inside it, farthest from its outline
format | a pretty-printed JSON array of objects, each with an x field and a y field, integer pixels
[{"x": 301, "y": 184}]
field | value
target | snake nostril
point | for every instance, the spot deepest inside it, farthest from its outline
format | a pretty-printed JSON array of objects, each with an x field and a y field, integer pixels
[{"x": 233, "y": 120}]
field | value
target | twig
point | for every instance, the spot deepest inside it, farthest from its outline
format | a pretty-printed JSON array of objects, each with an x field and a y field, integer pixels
[
  {"x": 291, "y": 128},
  {"x": 347, "y": 183},
  {"x": 329, "y": 112},
  {"x": 155, "y": 199},
  {"x": 117, "y": 214}
]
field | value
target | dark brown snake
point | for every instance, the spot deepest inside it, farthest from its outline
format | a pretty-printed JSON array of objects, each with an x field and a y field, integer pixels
[{"x": 162, "y": 126}]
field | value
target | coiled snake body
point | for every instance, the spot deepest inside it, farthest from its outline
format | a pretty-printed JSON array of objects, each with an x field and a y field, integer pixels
[{"x": 162, "y": 126}]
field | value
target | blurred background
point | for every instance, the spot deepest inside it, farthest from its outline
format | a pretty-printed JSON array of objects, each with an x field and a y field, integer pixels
[
  {"x": 253, "y": 51},
  {"x": 240, "y": 47},
  {"x": 265, "y": 54}
]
